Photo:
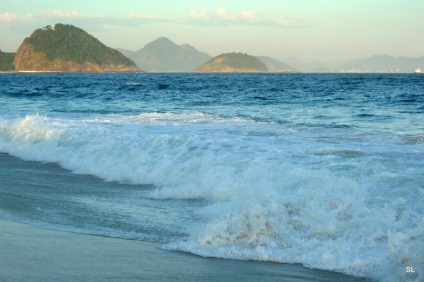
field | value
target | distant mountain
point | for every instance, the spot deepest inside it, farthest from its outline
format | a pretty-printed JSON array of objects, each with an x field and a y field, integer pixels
[
  {"x": 274, "y": 65},
  {"x": 6, "y": 61},
  {"x": 126, "y": 53},
  {"x": 382, "y": 64},
  {"x": 315, "y": 66},
  {"x": 233, "y": 62},
  {"x": 373, "y": 64},
  {"x": 69, "y": 49},
  {"x": 163, "y": 55}
]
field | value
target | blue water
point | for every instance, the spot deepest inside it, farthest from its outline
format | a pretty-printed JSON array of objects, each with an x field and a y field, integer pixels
[{"x": 326, "y": 170}]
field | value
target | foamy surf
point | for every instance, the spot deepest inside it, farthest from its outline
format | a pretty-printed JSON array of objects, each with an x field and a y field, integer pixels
[{"x": 269, "y": 195}]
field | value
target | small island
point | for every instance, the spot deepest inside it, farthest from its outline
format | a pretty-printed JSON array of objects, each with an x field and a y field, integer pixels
[
  {"x": 66, "y": 48},
  {"x": 233, "y": 62}
]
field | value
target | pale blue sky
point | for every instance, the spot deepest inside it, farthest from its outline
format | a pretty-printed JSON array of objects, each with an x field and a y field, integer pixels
[{"x": 308, "y": 29}]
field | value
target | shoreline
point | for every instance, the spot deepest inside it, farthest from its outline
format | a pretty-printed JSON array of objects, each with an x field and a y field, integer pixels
[{"x": 31, "y": 253}]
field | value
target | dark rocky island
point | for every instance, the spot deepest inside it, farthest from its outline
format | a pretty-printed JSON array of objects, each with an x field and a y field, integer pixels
[
  {"x": 66, "y": 48},
  {"x": 233, "y": 62}
]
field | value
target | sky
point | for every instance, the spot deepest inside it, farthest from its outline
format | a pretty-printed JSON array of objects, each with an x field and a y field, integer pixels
[{"x": 324, "y": 30}]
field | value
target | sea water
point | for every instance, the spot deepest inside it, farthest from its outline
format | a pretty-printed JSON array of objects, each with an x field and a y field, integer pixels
[{"x": 326, "y": 170}]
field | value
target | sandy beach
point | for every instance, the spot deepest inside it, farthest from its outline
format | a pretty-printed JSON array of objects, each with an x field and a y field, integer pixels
[{"x": 35, "y": 254}]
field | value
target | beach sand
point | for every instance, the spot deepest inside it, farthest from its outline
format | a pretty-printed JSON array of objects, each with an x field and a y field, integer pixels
[{"x": 29, "y": 253}]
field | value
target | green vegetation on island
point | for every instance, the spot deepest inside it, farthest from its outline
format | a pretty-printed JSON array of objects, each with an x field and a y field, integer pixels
[
  {"x": 68, "y": 48},
  {"x": 6, "y": 61},
  {"x": 233, "y": 62}
]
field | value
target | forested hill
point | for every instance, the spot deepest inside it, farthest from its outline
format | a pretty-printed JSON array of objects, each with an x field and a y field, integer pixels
[
  {"x": 233, "y": 62},
  {"x": 68, "y": 48},
  {"x": 6, "y": 61}
]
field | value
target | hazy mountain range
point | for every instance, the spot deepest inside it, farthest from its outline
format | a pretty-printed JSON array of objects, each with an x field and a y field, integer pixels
[
  {"x": 163, "y": 55},
  {"x": 373, "y": 64},
  {"x": 71, "y": 49},
  {"x": 275, "y": 65}
]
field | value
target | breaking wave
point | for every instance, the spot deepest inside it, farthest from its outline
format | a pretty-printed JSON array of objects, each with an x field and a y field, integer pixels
[{"x": 327, "y": 198}]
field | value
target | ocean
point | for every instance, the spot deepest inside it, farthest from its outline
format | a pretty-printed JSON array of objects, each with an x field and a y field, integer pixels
[{"x": 323, "y": 170}]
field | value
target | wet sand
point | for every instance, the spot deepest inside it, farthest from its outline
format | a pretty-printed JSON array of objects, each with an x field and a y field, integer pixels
[{"x": 29, "y": 253}]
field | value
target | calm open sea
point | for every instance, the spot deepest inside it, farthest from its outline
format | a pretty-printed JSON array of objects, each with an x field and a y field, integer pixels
[{"x": 326, "y": 170}]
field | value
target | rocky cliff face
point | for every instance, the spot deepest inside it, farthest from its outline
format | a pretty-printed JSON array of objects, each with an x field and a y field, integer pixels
[
  {"x": 38, "y": 54},
  {"x": 27, "y": 59}
]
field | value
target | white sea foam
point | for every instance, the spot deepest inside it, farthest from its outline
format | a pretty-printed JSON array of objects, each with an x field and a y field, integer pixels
[{"x": 324, "y": 199}]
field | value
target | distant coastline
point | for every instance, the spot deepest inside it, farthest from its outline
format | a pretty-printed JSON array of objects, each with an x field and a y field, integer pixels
[{"x": 40, "y": 54}]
